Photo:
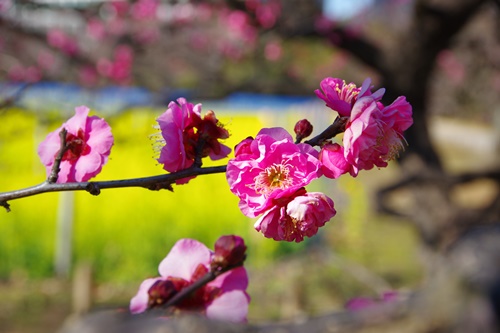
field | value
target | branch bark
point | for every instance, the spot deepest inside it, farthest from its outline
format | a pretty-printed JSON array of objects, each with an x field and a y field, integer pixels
[{"x": 154, "y": 183}]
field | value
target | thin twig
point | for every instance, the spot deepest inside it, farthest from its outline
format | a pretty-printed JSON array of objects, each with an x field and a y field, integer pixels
[
  {"x": 331, "y": 131},
  {"x": 94, "y": 188},
  {"x": 54, "y": 173}
]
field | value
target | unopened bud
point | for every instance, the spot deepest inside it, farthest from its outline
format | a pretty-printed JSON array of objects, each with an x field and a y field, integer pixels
[
  {"x": 302, "y": 129},
  {"x": 229, "y": 251},
  {"x": 163, "y": 290}
]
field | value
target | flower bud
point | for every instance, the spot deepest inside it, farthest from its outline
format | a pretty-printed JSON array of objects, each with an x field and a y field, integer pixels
[
  {"x": 302, "y": 129},
  {"x": 229, "y": 251},
  {"x": 163, "y": 290}
]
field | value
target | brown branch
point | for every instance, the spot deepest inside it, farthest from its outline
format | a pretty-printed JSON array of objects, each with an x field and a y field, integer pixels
[
  {"x": 153, "y": 183},
  {"x": 331, "y": 131},
  {"x": 57, "y": 161}
]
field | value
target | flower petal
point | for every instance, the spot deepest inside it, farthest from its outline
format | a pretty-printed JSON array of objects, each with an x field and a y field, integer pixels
[
  {"x": 100, "y": 138},
  {"x": 139, "y": 303},
  {"x": 231, "y": 306},
  {"x": 183, "y": 259},
  {"x": 78, "y": 121},
  {"x": 235, "y": 279},
  {"x": 87, "y": 166}
]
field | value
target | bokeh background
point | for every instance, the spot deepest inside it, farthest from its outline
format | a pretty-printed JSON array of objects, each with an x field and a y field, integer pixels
[{"x": 256, "y": 63}]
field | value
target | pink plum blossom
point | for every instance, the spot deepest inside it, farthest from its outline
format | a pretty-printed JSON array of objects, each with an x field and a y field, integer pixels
[
  {"x": 374, "y": 133},
  {"x": 182, "y": 127},
  {"x": 89, "y": 142},
  {"x": 341, "y": 97},
  {"x": 270, "y": 168},
  {"x": 224, "y": 298},
  {"x": 296, "y": 218}
]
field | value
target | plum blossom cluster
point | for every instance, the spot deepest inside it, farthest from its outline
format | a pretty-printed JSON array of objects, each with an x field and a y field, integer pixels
[
  {"x": 269, "y": 173},
  {"x": 189, "y": 261},
  {"x": 373, "y": 132}
]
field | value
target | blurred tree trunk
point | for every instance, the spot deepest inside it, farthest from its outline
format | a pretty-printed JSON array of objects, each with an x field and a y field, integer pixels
[{"x": 408, "y": 66}]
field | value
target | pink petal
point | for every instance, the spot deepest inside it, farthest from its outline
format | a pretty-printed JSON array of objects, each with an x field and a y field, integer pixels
[
  {"x": 78, "y": 121},
  {"x": 49, "y": 147},
  {"x": 231, "y": 306},
  {"x": 398, "y": 115},
  {"x": 183, "y": 259},
  {"x": 224, "y": 151},
  {"x": 139, "y": 303},
  {"x": 88, "y": 166},
  {"x": 333, "y": 160},
  {"x": 268, "y": 223},
  {"x": 277, "y": 133},
  {"x": 100, "y": 138},
  {"x": 235, "y": 279}
]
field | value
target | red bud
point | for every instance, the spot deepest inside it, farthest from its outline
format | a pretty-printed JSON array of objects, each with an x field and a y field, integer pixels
[
  {"x": 229, "y": 251},
  {"x": 302, "y": 129}
]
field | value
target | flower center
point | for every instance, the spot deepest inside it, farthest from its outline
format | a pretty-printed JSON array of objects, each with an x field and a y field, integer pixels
[
  {"x": 395, "y": 147},
  {"x": 76, "y": 146},
  {"x": 347, "y": 92},
  {"x": 273, "y": 177}
]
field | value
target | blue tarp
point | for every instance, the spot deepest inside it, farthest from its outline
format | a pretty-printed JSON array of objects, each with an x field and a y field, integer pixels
[{"x": 49, "y": 96}]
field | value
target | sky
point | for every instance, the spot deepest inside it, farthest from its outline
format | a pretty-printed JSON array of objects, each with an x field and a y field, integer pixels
[{"x": 344, "y": 9}]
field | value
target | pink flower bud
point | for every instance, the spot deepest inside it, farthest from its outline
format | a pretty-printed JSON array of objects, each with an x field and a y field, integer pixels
[
  {"x": 229, "y": 251},
  {"x": 303, "y": 129}
]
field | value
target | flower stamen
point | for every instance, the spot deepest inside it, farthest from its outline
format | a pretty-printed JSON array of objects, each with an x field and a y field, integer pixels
[{"x": 273, "y": 177}]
